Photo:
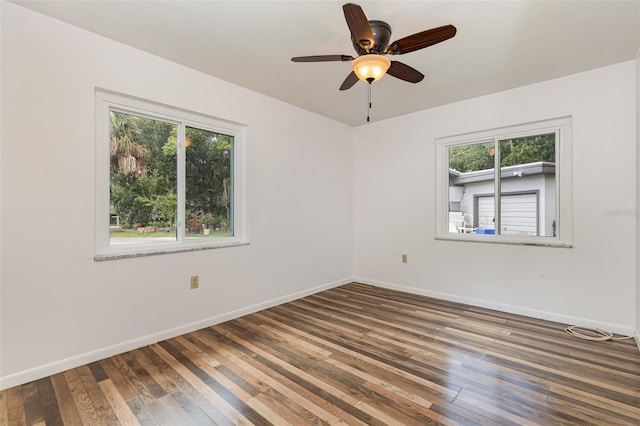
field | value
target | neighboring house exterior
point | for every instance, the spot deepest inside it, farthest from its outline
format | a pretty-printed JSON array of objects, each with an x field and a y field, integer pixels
[{"x": 527, "y": 202}]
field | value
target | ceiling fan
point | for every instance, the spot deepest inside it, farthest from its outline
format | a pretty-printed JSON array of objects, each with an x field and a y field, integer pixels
[{"x": 371, "y": 41}]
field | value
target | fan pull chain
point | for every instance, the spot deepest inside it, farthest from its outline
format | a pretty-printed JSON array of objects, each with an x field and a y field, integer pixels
[{"x": 369, "y": 104}]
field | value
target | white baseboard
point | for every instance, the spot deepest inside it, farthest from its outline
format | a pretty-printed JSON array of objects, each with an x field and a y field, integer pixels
[
  {"x": 41, "y": 371},
  {"x": 513, "y": 309}
]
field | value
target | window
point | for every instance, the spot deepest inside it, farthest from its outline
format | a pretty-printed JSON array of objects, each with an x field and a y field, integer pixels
[
  {"x": 167, "y": 180},
  {"x": 509, "y": 185}
]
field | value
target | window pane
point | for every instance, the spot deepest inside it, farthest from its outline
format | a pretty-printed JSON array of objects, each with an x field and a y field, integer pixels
[
  {"x": 209, "y": 184},
  {"x": 142, "y": 180},
  {"x": 528, "y": 186},
  {"x": 509, "y": 181},
  {"x": 471, "y": 188}
]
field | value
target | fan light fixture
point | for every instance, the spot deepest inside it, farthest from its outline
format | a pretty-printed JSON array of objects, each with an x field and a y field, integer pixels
[{"x": 371, "y": 67}]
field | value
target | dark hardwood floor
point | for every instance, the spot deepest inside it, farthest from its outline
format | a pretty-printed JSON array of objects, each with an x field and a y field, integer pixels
[{"x": 355, "y": 354}]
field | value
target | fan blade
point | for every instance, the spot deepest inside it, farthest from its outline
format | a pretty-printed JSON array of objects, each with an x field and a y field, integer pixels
[
  {"x": 349, "y": 81},
  {"x": 421, "y": 40},
  {"x": 405, "y": 72},
  {"x": 322, "y": 58},
  {"x": 358, "y": 24}
]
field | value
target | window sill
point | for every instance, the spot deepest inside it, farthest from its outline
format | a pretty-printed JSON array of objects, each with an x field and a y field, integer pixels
[
  {"x": 159, "y": 251},
  {"x": 503, "y": 239}
]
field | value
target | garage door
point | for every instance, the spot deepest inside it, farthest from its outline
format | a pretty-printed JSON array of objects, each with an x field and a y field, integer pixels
[{"x": 519, "y": 214}]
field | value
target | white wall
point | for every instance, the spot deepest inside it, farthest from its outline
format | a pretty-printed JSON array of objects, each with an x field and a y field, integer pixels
[
  {"x": 1, "y": 90},
  {"x": 60, "y": 308},
  {"x": 592, "y": 283},
  {"x": 638, "y": 188}
]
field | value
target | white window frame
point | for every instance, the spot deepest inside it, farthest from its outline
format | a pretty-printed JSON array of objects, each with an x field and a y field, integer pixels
[
  {"x": 106, "y": 101},
  {"x": 564, "y": 182}
]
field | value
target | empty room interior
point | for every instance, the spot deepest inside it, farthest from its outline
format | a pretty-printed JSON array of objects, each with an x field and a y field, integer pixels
[{"x": 292, "y": 212}]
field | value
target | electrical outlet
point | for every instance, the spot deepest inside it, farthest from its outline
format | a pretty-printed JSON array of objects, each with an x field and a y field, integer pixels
[
  {"x": 195, "y": 282},
  {"x": 404, "y": 258}
]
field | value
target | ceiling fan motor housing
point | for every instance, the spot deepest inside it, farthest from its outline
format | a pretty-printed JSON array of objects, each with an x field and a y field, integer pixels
[
  {"x": 370, "y": 40},
  {"x": 381, "y": 36}
]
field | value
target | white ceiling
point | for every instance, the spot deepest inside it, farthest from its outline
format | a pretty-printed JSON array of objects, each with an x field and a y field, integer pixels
[{"x": 499, "y": 45}]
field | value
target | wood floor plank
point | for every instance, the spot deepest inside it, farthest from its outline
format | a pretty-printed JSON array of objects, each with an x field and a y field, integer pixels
[
  {"x": 234, "y": 385},
  {"x": 452, "y": 414},
  {"x": 197, "y": 351},
  {"x": 118, "y": 404},
  {"x": 134, "y": 381},
  {"x": 594, "y": 403},
  {"x": 32, "y": 406},
  {"x": 390, "y": 390},
  {"x": 119, "y": 380},
  {"x": 267, "y": 409},
  {"x": 354, "y": 354},
  {"x": 81, "y": 399},
  {"x": 385, "y": 357},
  {"x": 176, "y": 350},
  {"x": 558, "y": 345},
  {"x": 291, "y": 412},
  {"x": 573, "y": 363},
  {"x": 267, "y": 365},
  {"x": 369, "y": 362},
  {"x": 287, "y": 357},
  {"x": 166, "y": 385},
  {"x": 15, "y": 406},
  {"x": 49, "y": 402},
  {"x": 68, "y": 411},
  {"x": 98, "y": 372},
  {"x": 249, "y": 383},
  {"x": 143, "y": 376},
  {"x": 104, "y": 410},
  {"x": 197, "y": 416},
  {"x": 282, "y": 384},
  {"x": 167, "y": 413},
  {"x": 490, "y": 410},
  {"x": 291, "y": 374},
  {"x": 303, "y": 368},
  {"x": 142, "y": 412},
  {"x": 190, "y": 384},
  {"x": 4, "y": 408}
]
